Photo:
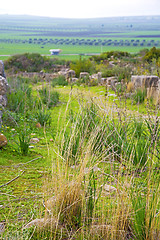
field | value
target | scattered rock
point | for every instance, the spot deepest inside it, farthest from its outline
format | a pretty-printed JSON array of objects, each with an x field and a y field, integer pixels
[
  {"x": 3, "y": 140},
  {"x": 34, "y": 140},
  {"x": 96, "y": 169},
  {"x": 84, "y": 75},
  {"x": 30, "y": 147},
  {"x": 112, "y": 95},
  {"x": 33, "y": 134},
  {"x": 38, "y": 125},
  {"x": 109, "y": 188}
]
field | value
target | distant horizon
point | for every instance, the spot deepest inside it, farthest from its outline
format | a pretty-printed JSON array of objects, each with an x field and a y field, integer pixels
[{"x": 120, "y": 16}]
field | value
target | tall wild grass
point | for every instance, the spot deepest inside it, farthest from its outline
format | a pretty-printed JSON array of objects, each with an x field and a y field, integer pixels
[{"x": 105, "y": 180}]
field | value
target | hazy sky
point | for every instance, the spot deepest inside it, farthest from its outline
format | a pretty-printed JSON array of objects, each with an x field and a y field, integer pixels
[{"x": 81, "y": 8}]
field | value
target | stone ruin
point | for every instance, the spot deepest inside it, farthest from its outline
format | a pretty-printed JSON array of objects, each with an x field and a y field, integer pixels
[
  {"x": 150, "y": 83},
  {"x": 3, "y": 100},
  {"x": 3, "y": 90}
]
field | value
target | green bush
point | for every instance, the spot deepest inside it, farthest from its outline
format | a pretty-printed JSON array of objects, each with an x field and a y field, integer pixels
[
  {"x": 30, "y": 62},
  {"x": 49, "y": 97},
  {"x": 61, "y": 81},
  {"x": 106, "y": 55},
  {"x": 84, "y": 65},
  {"x": 117, "y": 71},
  {"x": 153, "y": 53},
  {"x": 20, "y": 100}
]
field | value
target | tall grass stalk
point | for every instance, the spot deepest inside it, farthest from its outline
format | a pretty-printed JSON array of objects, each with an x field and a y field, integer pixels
[{"x": 103, "y": 183}]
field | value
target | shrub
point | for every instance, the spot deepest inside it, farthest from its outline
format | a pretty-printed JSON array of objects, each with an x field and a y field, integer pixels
[
  {"x": 117, "y": 71},
  {"x": 107, "y": 55},
  {"x": 61, "y": 81},
  {"x": 43, "y": 117},
  {"x": 49, "y": 97},
  {"x": 30, "y": 62},
  {"x": 20, "y": 100},
  {"x": 84, "y": 65},
  {"x": 153, "y": 53}
]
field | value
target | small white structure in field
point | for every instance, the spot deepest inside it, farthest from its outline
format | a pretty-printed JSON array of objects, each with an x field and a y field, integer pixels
[{"x": 55, "y": 51}]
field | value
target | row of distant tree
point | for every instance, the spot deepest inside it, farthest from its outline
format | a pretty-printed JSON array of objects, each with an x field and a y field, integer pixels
[{"x": 89, "y": 42}]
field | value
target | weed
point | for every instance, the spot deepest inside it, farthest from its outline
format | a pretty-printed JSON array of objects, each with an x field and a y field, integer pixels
[
  {"x": 139, "y": 96},
  {"x": 49, "y": 97},
  {"x": 61, "y": 81},
  {"x": 24, "y": 140},
  {"x": 43, "y": 117}
]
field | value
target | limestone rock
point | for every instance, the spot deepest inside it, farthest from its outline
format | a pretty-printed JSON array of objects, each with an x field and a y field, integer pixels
[
  {"x": 34, "y": 140},
  {"x": 3, "y": 140},
  {"x": 3, "y": 100},
  {"x": 144, "y": 81},
  {"x": 150, "y": 83},
  {"x": 73, "y": 80},
  {"x": 84, "y": 75},
  {"x": 3, "y": 85},
  {"x": 71, "y": 74},
  {"x": 2, "y": 73},
  {"x": 109, "y": 188},
  {"x": 111, "y": 81}
]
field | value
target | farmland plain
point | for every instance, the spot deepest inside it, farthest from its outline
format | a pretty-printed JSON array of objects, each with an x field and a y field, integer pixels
[{"x": 19, "y": 34}]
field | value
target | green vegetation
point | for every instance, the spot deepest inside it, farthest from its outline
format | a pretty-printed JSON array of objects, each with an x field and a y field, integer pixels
[
  {"x": 60, "y": 80},
  {"x": 82, "y": 65},
  {"x": 31, "y": 62},
  {"x": 82, "y": 161},
  {"x": 91, "y": 152},
  {"x": 152, "y": 54}
]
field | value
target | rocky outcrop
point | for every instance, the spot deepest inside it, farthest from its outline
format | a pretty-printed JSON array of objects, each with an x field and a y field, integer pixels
[{"x": 3, "y": 89}]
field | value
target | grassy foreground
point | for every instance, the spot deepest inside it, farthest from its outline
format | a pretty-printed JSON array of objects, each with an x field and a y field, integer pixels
[{"x": 93, "y": 174}]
